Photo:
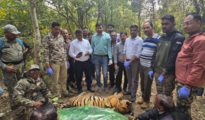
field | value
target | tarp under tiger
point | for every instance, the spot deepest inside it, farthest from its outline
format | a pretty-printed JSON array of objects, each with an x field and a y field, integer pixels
[{"x": 90, "y": 113}]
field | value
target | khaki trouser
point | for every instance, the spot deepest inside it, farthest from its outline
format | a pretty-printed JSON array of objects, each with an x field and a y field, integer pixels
[
  {"x": 167, "y": 86},
  {"x": 58, "y": 81}
]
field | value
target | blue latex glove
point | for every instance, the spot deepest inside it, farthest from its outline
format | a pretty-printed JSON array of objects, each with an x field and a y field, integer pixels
[
  {"x": 151, "y": 73},
  {"x": 1, "y": 91},
  {"x": 49, "y": 71},
  {"x": 161, "y": 78},
  {"x": 184, "y": 92},
  {"x": 127, "y": 63}
]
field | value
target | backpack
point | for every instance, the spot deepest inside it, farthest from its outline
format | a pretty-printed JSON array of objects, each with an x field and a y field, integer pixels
[{"x": 2, "y": 42}]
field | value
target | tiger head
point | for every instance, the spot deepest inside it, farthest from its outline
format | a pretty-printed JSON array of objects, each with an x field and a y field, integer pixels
[{"x": 122, "y": 106}]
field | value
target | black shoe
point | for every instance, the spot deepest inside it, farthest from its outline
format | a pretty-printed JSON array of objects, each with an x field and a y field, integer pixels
[{"x": 91, "y": 90}]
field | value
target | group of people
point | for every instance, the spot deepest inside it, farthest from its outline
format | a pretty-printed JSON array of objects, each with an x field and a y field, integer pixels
[{"x": 169, "y": 58}]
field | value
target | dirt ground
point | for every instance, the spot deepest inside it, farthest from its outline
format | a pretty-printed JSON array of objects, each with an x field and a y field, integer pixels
[{"x": 198, "y": 107}]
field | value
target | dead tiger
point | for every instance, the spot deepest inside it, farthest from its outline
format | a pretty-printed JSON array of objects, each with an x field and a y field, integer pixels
[{"x": 87, "y": 99}]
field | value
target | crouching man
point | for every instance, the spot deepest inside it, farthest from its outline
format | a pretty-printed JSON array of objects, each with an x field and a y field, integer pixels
[{"x": 32, "y": 97}]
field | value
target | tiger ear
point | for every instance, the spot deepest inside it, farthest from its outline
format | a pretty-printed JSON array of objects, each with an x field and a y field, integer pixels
[{"x": 119, "y": 95}]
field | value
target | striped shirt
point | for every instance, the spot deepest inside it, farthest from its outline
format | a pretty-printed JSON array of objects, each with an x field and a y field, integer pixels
[{"x": 149, "y": 50}]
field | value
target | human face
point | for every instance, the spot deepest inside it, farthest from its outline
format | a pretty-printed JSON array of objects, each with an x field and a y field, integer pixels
[
  {"x": 10, "y": 36},
  {"x": 110, "y": 29},
  {"x": 167, "y": 26},
  {"x": 133, "y": 32},
  {"x": 85, "y": 32},
  {"x": 148, "y": 30},
  {"x": 65, "y": 34},
  {"x": 55, "y": 30},
  {"x": 79, "y": 36},
  {"x": 113, "y": 36},
  {"x": 123, "y": 37},
  {"x": 99, "y": 29},
  {"x": 34, "y": 73},
  {"x": 191, "y": 26}
]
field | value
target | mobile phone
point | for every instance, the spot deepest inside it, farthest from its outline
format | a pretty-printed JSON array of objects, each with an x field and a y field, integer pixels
[{"x": 80, "y": 53}]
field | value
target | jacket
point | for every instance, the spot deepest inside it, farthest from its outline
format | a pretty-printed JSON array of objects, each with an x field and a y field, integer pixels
[
  {"x": 167, "y": 50},
  {"x": 190, "y": 63}
]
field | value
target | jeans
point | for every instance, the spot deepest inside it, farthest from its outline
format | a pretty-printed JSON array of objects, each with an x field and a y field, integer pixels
[{"x": 101, "y": 61}]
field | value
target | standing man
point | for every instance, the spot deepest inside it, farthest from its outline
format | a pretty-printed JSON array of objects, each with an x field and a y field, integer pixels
[
  {"x": 110, "y": 29},
  {"x": 11, "y": 58},
  {"x": 70, "y": 61},
  {"x": 56, "y": 60},
  {"x": 190, "y": 63},
  {"x": 167, "y": 50},
  {"x": 132, "y": 50},
  {"x": 101, "y": 45},
  {"x": 146, "y": 62},
  {"x": 112, "y": 67},
  {"x": 119, "y": 58},
  {"x": 80, "y": 50}
]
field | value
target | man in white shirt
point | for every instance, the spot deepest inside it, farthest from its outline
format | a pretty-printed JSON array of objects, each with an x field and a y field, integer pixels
[
  {"x": 132, "y": 50},
  {"x": 80, "y": 50}
]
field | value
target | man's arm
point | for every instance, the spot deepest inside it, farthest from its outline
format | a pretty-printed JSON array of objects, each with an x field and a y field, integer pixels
[
  {"x": 109, "y": 48},
  {"x": 72, "y": 50},
  {"x": 198, "y": 60}
]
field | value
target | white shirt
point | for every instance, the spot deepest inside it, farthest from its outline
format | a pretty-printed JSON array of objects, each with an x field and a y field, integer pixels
[
  {"x": 77, "y": 46},
  {"x": 133, "y": 47}
]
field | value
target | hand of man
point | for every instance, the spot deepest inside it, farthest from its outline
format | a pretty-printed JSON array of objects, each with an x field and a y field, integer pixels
[
  {"x": 49, "y": 71},
  {"x": 110, "y": 62},
  {"x": 10, "y": 69},
  {"x": 79, "y": 54},
  {"x": 184, "y": 92},
  {"x": 116, "y": 67},
  {"x": 87, "y": 53},
  {"x": 127, "y": 63},
  {"x": 161, "y": 78},
  {"x": 151, "y": 73},
  {"x": 38, "y": 104}
]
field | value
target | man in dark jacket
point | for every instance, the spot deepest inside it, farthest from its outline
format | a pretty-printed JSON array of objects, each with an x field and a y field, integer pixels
[{"x": 167, "y": 50}]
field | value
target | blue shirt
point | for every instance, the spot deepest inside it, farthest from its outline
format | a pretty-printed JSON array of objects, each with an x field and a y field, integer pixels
[{"x": 101, "y": 44}]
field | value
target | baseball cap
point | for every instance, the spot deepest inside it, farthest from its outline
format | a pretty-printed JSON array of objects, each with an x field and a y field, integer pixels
[
  {"x": 11, "y": 29},
  {"x": 34, "y": 66}
]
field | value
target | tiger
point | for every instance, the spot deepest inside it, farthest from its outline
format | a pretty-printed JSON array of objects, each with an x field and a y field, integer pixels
[{"x": 87, "y": 99}]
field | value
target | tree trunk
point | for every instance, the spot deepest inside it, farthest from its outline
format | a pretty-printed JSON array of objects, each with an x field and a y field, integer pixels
[{"x": 37, "y": 35}]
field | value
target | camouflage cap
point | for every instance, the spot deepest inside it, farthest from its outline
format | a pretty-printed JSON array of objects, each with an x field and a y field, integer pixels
[
  {"x": 11, "y": 29},
  {"x": 34, "y": 66}
]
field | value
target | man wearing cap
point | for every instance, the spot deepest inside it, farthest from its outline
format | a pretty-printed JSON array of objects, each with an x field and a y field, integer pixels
[
  {"x": 11, "y": 57},
  {"x": 30, "y": 93}
]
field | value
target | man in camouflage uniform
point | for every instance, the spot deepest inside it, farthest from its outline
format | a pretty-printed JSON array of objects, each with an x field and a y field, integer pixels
[
  {"x": 11, "y": 58},
  {"x": 30, "y": 93},
  {"x": 56, "y": 59}
]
